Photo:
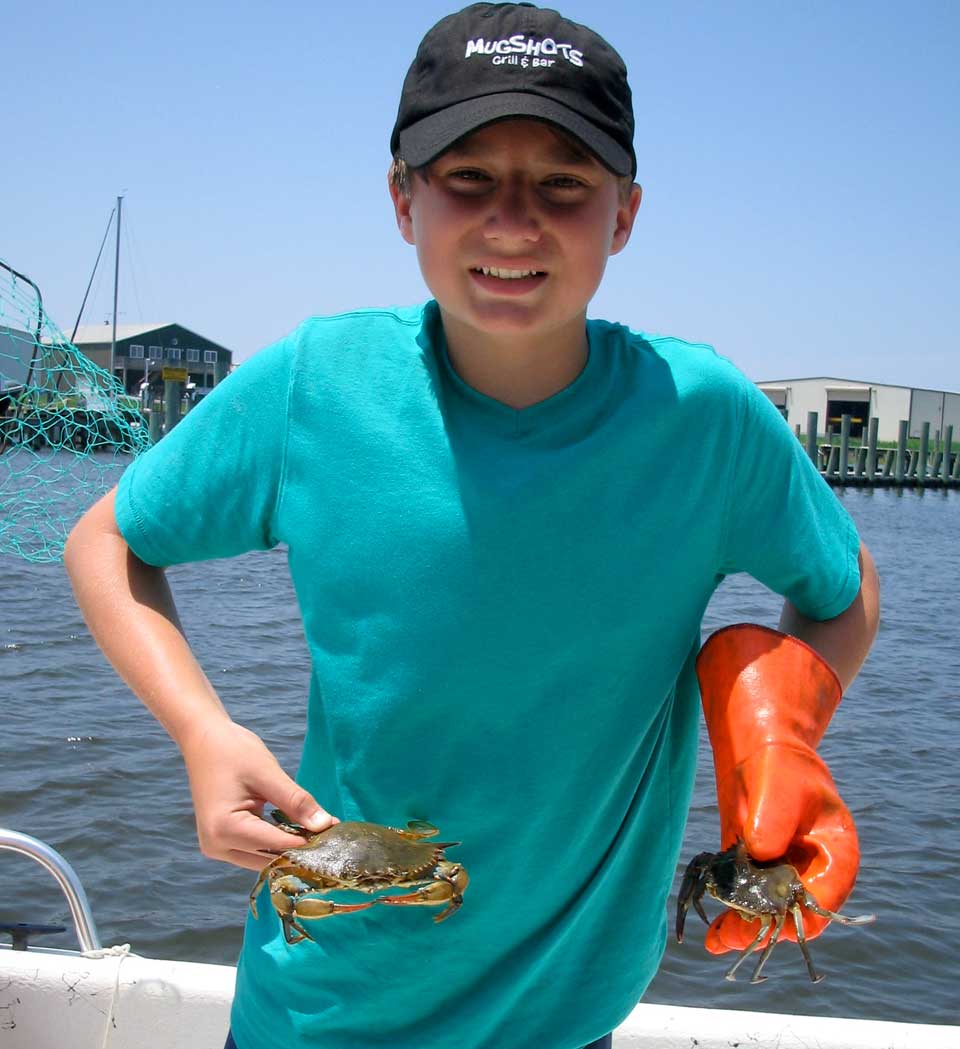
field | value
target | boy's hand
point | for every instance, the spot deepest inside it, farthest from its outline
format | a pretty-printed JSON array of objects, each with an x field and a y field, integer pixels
[
  {"x": 232, "y": 776},
  {"x": 767, "y": 699}
]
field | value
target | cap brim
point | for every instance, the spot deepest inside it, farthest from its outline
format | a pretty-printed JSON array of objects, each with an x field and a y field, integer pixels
[{"x": 428, "y": 138}]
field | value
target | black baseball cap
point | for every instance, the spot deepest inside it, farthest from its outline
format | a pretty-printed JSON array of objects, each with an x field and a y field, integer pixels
[{"x": 490, "y": 62}]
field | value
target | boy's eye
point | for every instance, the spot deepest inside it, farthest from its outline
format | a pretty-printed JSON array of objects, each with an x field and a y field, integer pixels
[
  {"x": 468, "y": 175},
  {"x": 565, "y": 182}
]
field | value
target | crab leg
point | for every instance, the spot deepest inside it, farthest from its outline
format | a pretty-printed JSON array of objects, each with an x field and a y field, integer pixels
[
  {"x": 417, "y": 829},
  {"x": 860, "y": 919},
  {"x": 291, "y": 908},
  {"x": 291, "y": 899},
  {"x": 768, "y": 950},
  {"x": 270, "y": 872},
  {"x": 288, "y": 925},
  {"x": 289, "y": 920},
  {"x": 448, "y": 888},
  {"x": 765, "y": 920},
  {"x": 429, "y": 896},
  {"x": 802, "y": 942},
  {"x": 312, "y": 908}
]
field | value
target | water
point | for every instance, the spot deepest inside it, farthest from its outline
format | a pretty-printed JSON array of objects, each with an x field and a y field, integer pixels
[{"x": 86, "y": 769}]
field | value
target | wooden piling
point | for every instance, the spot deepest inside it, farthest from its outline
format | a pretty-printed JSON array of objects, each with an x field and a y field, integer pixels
[
  {"x": 947, "y": 448},
  {"x": 172, "y": 392},
  {"x": 889, "y": 458},
  {"x": 860, "y": 463},
  {"x": 844, "y": 446},
  {"x": 871, "y": 465},
  {"x": 924, "y": 453},
  {"x": 902, "y": 451},
  {"x": 812, "y": 420}
]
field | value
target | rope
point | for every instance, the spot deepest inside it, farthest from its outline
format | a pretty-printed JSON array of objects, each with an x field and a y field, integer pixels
[{"x": 120, "y": 951}]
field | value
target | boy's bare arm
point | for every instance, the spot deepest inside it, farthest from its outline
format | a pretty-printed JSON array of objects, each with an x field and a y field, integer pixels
[
  {"x": 845, "y": 640},
  {"x": 131, "y": 614}
]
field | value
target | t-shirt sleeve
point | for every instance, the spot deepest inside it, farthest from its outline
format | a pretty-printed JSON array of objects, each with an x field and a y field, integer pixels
[
  {"x": 211, "y": 487},
  {"x": 784, "y": 525}
]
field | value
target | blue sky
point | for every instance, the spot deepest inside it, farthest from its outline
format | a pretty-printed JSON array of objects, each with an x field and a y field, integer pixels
[{"x": 799, "y": 163}]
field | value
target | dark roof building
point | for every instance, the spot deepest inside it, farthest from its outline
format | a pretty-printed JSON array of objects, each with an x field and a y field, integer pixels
[{"x": 149, "y": 350}]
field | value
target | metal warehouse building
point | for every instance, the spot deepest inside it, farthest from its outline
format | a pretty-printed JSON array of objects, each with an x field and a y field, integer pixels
[{"x": 833, "y": 398}]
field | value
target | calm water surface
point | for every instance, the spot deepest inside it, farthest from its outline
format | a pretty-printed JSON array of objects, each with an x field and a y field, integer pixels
[{"x": 85, "y": 768}]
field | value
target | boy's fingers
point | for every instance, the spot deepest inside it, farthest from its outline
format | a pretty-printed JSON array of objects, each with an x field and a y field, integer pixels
[
  {"x": 254, "y": 835},
  {"x": 249, "y": 842},
  {"x": 250, "y": 860},
  {"x": 298, "y": 805}
]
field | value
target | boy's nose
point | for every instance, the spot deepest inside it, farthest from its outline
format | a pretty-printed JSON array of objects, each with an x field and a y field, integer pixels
[{"x": 513, "y": 214}]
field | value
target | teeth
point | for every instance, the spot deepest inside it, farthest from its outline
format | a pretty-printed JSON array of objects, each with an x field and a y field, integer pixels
[{"x": 494, "y": 271}]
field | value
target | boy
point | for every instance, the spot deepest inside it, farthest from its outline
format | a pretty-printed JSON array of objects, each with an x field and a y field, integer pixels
[{"x": 501, "y": 589}]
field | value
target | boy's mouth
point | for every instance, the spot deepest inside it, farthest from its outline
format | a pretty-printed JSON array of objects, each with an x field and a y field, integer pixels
[
  {"x": 504, "y": 281},
  {"x": 502, "y": 273}
]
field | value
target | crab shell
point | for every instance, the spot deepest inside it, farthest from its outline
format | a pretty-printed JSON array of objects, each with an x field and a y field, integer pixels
[{"x": 368, "y": 857}]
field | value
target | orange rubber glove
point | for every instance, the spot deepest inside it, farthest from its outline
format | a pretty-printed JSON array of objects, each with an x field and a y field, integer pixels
[{"x": 767, "y": 699}]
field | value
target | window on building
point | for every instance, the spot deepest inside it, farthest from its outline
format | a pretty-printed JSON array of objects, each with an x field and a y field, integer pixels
[
  {"x": 135, "y": 351},
  {"x": 156, "y": 353},
  {"x": 173, "y": 355},
  {"x": 193, "y": 355},
  {"x": 209, "y": 356}
]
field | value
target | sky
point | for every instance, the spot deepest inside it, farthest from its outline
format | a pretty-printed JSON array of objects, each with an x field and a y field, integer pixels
[{"x": 799, "y": 163}]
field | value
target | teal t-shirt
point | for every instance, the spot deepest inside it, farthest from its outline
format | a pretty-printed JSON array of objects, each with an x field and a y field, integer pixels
[{"x": 502, "y": 609}]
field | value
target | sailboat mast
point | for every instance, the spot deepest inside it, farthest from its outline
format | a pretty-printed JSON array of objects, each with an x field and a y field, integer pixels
[{"x": 116, "y": 285}]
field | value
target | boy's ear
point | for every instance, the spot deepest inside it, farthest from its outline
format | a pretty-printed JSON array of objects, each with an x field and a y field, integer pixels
[
  {"x": 401, "y": 208},
  {"x": 626, "y": 214}
]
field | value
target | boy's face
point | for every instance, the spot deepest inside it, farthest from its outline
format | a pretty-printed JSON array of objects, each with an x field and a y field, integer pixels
[{"x": 515, "y": 196}]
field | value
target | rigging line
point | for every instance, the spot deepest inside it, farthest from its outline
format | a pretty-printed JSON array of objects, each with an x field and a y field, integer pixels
[
  {"x": 92, "y": 275},
  {"x": 128, "y": 237}
]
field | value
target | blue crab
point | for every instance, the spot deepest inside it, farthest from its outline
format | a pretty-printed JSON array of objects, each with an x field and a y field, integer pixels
[{"x": 366, "y": 857}]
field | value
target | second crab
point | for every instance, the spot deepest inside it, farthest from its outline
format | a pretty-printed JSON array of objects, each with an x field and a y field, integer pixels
[{"x": 764, "y": 891}]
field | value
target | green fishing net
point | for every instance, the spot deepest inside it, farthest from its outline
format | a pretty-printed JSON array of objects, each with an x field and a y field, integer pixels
[{"x": 67, "y": 429}]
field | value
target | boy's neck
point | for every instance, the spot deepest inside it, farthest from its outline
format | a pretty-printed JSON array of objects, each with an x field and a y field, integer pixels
[{"x": 517, "y": 370}]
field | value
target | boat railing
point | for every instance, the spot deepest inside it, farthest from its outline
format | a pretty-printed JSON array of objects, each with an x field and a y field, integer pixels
[{"x": 66, "y": 878}]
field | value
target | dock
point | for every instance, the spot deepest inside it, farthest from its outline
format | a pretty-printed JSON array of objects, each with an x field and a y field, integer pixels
[{"x": 844, "y": 462}]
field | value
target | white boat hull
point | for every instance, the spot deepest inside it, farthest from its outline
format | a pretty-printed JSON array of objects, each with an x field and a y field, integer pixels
[{"x": 65, "y": 1000}]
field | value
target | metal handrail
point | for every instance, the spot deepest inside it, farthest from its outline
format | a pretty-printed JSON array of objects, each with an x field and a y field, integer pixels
[{"x": 66, "y": 878}]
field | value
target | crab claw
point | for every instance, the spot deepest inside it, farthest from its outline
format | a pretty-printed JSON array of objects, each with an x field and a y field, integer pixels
[
  {"x": 448, "y": 888},
  {"x": 691, "y": 889}
]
